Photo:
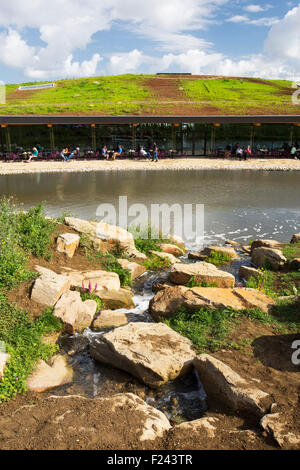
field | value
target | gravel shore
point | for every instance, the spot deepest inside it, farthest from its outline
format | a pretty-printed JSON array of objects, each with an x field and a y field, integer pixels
[{"x": 167, "y": 164}]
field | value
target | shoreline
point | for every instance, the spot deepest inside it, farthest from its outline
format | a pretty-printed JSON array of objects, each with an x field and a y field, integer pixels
[{"x": 144, "y": 165}]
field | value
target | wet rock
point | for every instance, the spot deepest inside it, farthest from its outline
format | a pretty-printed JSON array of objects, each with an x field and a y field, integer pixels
[
  {"x": 115, "y": 299},
  {"x": 294, "y": 264},
  {"x": 135, "y": 269},
  {"x": 261, "y": 257},
  {"x": 152, "y": 352},
  {"x": 223, "y": 384},
  {"x": 265, "y": 244},
  {"x": 220, "y": 249},
  {"x": 68, "y": 243},
  {"x": 97, "y": 280},
  {"x": 49, "y": 287},
  {"x": 75, "y": 314},
  {"x": 233, "y": 243},
  {"x": 161, "y": 285},
  {"x": 171, "y": 258},
  {"x": 4, "y": 358},
  {"x": 109, "y": 319},
  {"x": 201, "y": 272},
  {"x": 172, "y": 249},
  {"x": 276, "y": 425},
  {"x": 296, "y": 238},
  {"x": 197, "y": 255},
  {"x": 202, "y": 425},
  {"x": 246, "y": 272},
  {"x": 47, "y": 376}
]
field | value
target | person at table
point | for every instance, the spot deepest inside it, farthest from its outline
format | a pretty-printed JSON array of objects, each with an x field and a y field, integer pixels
[
  {"x": 34, "y": 154},
  {"x": 144, "y": 153},
  {"x": 104, "y": 152},
  {"x": 118, "y": 152},
  {"x": 293, "y": 150}
]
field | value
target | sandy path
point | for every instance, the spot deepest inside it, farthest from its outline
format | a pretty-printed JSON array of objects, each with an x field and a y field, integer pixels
[{"x": 166, "y": 164}]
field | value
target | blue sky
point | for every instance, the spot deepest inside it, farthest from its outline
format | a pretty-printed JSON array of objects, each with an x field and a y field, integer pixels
[{"x": 42, "y": 40}]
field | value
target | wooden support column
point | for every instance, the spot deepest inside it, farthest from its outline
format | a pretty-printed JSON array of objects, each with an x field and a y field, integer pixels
[
  {"x": 51, "y": 136},
  {"x": 134, "y": 126},
  {"x": 94, "y": 140},
  {"x": 7, "y": 137}
]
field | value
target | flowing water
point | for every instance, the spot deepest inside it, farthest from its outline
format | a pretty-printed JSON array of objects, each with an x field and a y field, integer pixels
[{"x": 239, "y": 205}]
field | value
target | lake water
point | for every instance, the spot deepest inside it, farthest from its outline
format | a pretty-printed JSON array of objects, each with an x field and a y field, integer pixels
[{"x": 239, "y": 205}]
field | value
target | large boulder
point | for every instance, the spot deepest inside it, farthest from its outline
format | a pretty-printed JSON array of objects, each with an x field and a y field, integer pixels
[
  {"x": 115, "y": 299},
  {"x": 265, "y": 244},
  {"x": 47, "y": 376},
  {"x": 4, "y": 358},
  {"x": 296, "y": 238},
  {"x": 294, "y": 264},
  {"x": 135, "y": 269},
  {"x": 277, "y": 426},
  {"x": 152, "y": 352},
  {"x": 246, "y": 272},
  {"x": 172, "y": 249},
  {"x": 75, "y": 314},
  {"x": 201, "y": 272},
  {"x": 225, "y": 250},
  {"x": 224, "y": 385},
  {"x": 49, "y": 287},
  {"x": 176, "y": 239},
  {"x": 109, "y": 319},
  {"x": 97, "y": 280},
  {"x": 68, "y": 243},
  {"x": 262, "y": 257},
  {"x": 168, "y": 300},
  {"x": 165, "y": 256}
]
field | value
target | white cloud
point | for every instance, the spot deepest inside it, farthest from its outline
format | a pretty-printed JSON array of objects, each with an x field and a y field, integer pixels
[
  {"x": 283, "y": 40},
  {"x": 238, "y": 19},
  {"x": 253, "y": 8},
  {"x": 258, "y": 22}
]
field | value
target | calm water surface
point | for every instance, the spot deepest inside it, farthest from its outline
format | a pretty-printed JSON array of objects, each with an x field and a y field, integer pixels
[{"x": 239, "y": 205}]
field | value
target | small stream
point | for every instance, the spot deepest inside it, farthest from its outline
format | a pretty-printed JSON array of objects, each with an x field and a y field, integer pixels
[{"x": 182, "y": 399}]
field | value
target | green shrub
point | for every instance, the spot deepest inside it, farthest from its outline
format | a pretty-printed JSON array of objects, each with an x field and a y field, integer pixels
[
  {"x": 193, "y": 283},
  {"x": 23, "y": 341},
  {"x": 155, "y": 263},
  {"x": 218, "y": 258},
  {"x": 35, "y": 232}
]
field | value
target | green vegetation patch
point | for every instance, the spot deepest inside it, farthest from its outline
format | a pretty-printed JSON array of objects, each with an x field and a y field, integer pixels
[
  {"x": 276, "y": 284},
  {"x": 209, "y": 329},
  {"x": 218, "y": 258},
  {"x": 23, "y": 341}
]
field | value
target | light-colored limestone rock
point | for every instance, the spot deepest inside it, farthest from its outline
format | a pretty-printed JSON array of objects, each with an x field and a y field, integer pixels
[
  {"x": 168, "y": 300},
  {"x": 115, "y": 299},
  {"x": 172, "y": 249},
  {"x": 261, "y": 257},
  {"x": 49, "y": 287},
  {"x": 68, "y": 243},
  {"x": 276, "y": 425},
  {"x": 246, "y": 272},
  {"x": 75, "y": 314},
  {"x": 226, "y": 250},
  {"x": 135, "y": 269},
  {"x": 223, "y": 384},
  {"x": 4, "y": 358},
  {"x": 109, "y": 319},
  {"x": 47, "y": 376},
  {"x": 153, "y": 352},
  {"x": 97, "y": 280},
  {"x": 201, "y": 272},
  {"x": 197, "y": 255},
  {"x": 265, "y": 244},
  {"x": 295, "y": 238},
  {"x": 202, "y": 425},
  {"x": 170, "y": 258}
]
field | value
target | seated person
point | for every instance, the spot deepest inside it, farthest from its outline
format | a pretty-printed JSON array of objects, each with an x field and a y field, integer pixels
[
  {"x": 104, "y": 152},
  {"x": 34, "y": 154},
  {"x": 118, "y": 152},
  {"x": 143, "y": 153}
]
